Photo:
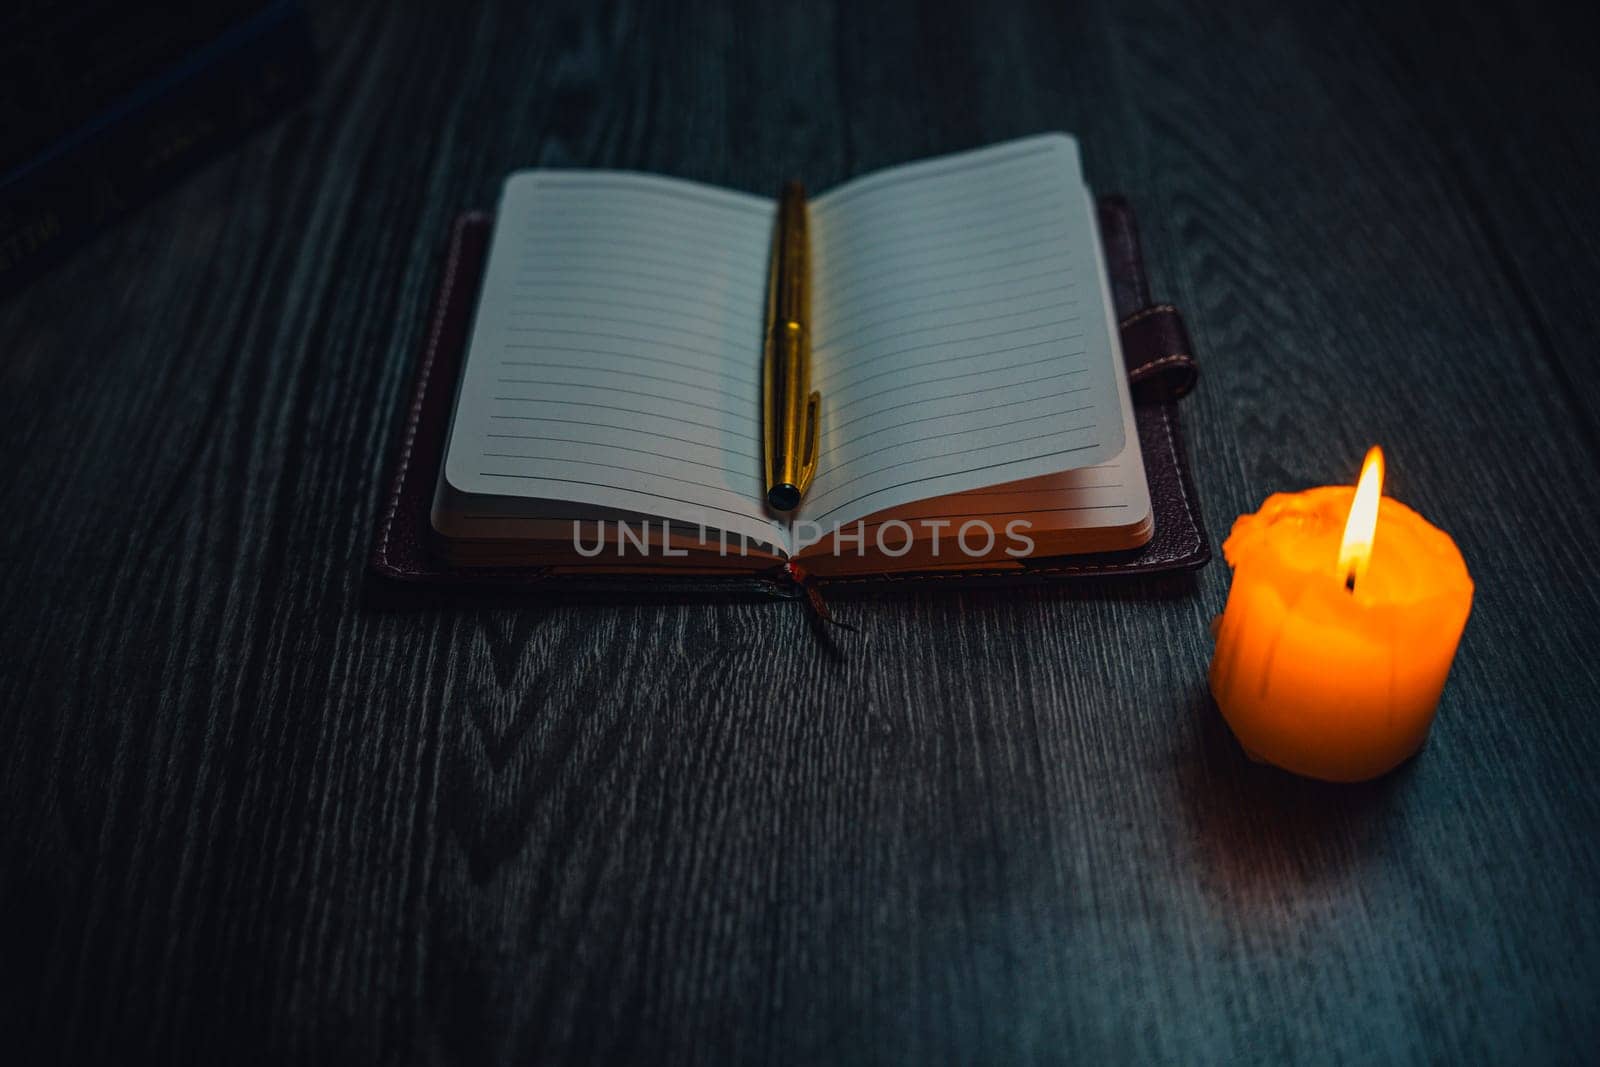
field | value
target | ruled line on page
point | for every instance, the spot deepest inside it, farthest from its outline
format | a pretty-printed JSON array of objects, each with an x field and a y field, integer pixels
[
  {"x": 1074, "y": 499},
  {"x": 600, "y": 190},
  {"x": 893, "y": 259},
  {"x": 905, "y": 306},
  {"x": 647, "y": 226},
  {"x": 627, "y": 411},
  {"x": 1010, "y": 389},
  {"x": 1004, "y": 185},
  {"x": 919, "y": 314},
  {"x": 707, "y": 267},
  {"x": 637, "y": 356},
  {"x": 971, "y": 430},
  {"x": 620, "y": 218},
  {"x": 649, "y": 472},
  {"x": 690, "y": 286},
  {"x": 987, "y": 372},
  {"x": 953, "y": 226},
  {"x": 1079, "y": 499},
  {"x": 954, "y": 268},
  {"x": 963, "y": 416},
  {"x": 1001, "y": 490},
  {"x": 578, "y": 368},
  {"x": 615, "y": 304},
  {"x": 751, "y": 455},
  {"x": 995, "y": 163},
  {"x": 907, "y": 298},
  {"x": 854, "y": 387},
  {"x": 946, "y": 477},
  {"x": 1021, "y": 513},
  {"x": 700, "y": 271},
  {"x": 716, "y": 331},
  {"x": 546, "y": 290},
  {"x": 614, "y": 390},
  {"x": 711, "y": 357},
  {"x": 991, "y": 234},
  {"x": 1009, "y": 315},
  {"x": 615, "y": 320},
  {"x": 604, "y": 200},
  {"x": 608, "y": 446},
  {"x": 632, "y": 244},
  {"x": 936, "y": 205},
  {"x": 594, "y": 484},
  {"x": 972, "y": 347},
  {"x": 928, "y": 457}
]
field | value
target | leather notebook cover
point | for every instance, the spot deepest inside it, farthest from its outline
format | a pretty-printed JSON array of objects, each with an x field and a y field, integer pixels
[{"x": 1161, "y": 369}]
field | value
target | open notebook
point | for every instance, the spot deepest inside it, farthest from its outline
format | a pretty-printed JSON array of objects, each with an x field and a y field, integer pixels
[{"x": 974, "y": 413}]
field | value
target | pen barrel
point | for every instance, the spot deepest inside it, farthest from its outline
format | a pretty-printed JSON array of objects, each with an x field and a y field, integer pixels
[
  {"x": 785, "y": 417},
  {"x": 791, "y": 281},
  {"x": 789, "y": 407}
]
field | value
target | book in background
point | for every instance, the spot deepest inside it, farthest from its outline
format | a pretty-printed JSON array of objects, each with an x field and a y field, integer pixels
[{"x": 105, "y": 104}]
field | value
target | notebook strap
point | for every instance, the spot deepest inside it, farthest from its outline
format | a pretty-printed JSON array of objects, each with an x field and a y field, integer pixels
[{"x": 1156, "y": 348}]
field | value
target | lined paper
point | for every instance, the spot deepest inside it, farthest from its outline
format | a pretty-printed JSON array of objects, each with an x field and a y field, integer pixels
[
  {"x": 963, "y": 344},
  {"x": 961, "y": 338},
  {"x": 615, "y": 357}
]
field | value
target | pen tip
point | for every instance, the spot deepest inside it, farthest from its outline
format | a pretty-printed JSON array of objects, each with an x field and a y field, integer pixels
[{"x": 785, "y": 497}]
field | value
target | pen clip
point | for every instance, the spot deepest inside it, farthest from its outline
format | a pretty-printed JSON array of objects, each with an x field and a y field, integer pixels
[{"x": 812, "y": 441}]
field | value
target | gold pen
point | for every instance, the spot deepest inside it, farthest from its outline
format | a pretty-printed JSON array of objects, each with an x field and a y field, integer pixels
[{"x": 789, "y": 409}]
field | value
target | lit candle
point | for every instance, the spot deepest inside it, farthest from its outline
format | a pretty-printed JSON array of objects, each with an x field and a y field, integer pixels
[{"x": 1343, "y": 619}]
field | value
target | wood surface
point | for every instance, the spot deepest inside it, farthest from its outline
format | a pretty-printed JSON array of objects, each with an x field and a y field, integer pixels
[{"x": 246, "y": 815}]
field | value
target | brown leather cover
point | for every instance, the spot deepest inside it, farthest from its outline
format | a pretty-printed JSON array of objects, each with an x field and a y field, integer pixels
[{"x": 1161, "y": 368}]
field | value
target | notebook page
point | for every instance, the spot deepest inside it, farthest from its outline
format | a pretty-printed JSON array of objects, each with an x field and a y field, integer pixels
[
  {"x": 615, "y": 357},
  {"x": 1112, "y": 496},
  {"x": 1100, "y": 508},
  {"x": 961, "y": 340}
]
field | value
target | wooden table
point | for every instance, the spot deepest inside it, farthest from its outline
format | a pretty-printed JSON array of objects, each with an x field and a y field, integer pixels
[{"x": 244, "y": 814}]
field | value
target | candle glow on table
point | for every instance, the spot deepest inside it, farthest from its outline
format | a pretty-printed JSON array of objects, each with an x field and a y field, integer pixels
[{"x": 1340, "y": 628}]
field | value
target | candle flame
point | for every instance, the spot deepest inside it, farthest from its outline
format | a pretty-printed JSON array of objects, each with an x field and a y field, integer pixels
[{"x": 1355, "y": 550}]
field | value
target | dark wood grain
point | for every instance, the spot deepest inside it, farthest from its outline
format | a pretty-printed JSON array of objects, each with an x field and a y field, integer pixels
[{"x": 247, "y": 815}]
